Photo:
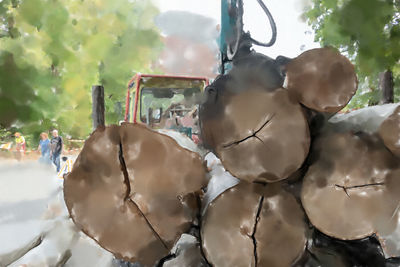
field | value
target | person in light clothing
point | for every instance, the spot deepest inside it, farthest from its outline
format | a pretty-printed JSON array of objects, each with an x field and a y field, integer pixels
[
  {"x": 20, "y": 145},
  {"x": 44, "y": 147}
]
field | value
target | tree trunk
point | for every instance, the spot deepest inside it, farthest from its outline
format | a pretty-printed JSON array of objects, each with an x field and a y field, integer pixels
[
  {"x": 386, "y": 86},
  {"x": 98, "y": 106}
]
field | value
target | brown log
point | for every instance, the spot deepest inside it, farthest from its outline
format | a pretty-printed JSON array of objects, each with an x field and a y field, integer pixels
[
  {"x": 390, "y": 132},
  {"x": 255, "y": 69},
  {"x": 258, "y": 135},
  {"x": 352, "y": 190},
  {"x": 323, "y": 79},
  {"x": 253, "y": 225},
  {"x": 132, "y": 191}
]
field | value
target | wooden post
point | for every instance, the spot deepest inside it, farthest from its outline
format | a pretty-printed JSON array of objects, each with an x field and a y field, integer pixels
[
  {"x": 98, "y": 106},
  {"x": 386, "y": 85}
]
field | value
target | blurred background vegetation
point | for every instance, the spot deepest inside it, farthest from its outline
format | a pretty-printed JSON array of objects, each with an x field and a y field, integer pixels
[
  {"x": 367, "y": 32},
  {"x": 53, "y": 51}
]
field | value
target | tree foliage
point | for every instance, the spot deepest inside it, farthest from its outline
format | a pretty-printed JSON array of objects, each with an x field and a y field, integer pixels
[
  {"x": 53, "y": 51},
  {"x": 368, "y": 32}
]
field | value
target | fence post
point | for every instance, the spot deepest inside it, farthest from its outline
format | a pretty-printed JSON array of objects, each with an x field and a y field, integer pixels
[
  {"x": 98, "y": 106},
  {"x": 386, "y": 85}
]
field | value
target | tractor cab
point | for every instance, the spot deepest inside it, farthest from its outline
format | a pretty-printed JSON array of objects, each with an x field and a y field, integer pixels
[{"x": 166, "y": 102}]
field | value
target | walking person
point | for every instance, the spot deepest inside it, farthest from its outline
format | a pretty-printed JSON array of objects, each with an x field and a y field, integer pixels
[
  {"x": 56, "y": 148},
  {"x": 44, "y": 146},
  {"x": 20, "y": 145}
]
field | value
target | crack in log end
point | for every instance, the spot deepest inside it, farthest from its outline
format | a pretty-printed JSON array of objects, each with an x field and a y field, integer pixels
[
  {"x": 254, "y": 134},
  {"x": 255, "y": 229},
  {"x": 128, "y": 193},
  {"x": 346, "y": 188},
  {"x": 125, "y": 172},
  {"x": 259, "y": 139},
  {"x": 148, "y": 223}
]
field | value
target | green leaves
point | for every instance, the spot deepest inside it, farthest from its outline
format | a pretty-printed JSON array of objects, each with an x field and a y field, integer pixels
[
  {"x": 366, "y": 30},
  {"x": 53, "y": 51},
  {"x": 32, "y": 12}
]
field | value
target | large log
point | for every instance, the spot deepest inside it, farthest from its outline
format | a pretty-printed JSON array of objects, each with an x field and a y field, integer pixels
[
  {"x": 258, "y": 135},
  {"x": 133, "y": 191},
  {"x": 255, "y": 69},
  {"x": 390, "y": 132},
  {"x": 253, "y": 225},
  {"x": 352, "y": 188},
  {"x": 323, "y": 79}
]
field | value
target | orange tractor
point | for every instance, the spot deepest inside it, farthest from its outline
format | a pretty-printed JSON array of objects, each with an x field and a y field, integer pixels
[{"x": 166, "y": 102}]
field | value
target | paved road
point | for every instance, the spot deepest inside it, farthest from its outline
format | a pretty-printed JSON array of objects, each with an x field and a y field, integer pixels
[{"x": 35, "y": 229}]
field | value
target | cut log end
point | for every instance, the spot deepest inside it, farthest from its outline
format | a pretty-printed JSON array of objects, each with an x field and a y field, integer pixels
[
  {"x": 349, "y": 192},
  {"x": 323, "y": 79},
  {"x": 130, "y": 195},
  {"x": 256, "y": 226},
  {"x": 258, "y": 135}
]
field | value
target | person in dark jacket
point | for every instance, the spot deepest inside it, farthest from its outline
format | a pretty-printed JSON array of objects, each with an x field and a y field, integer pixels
[{"x": 56, "y": 145}]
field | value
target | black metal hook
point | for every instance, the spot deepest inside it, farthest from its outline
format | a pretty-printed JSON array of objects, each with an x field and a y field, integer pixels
[
  {"x": 232, "y": 51},
  {"x": 273, "y": 27}
]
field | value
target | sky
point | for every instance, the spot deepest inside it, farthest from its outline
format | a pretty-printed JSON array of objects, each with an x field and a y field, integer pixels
[{"x": 294, "y": 35}]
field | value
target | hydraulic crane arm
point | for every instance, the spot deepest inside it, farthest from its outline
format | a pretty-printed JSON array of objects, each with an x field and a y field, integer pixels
[{"x": 232, "y": 37}]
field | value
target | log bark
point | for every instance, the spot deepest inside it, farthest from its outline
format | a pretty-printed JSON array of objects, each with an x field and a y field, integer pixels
[{"x": 386, "y": 85}]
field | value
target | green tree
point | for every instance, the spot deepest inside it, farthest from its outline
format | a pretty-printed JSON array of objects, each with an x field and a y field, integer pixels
[
  {"x": 53, "y": 51},
  {"x": 368, "y": 32}
]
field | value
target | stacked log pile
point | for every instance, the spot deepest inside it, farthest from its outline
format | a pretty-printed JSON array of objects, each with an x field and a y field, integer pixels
[{"x": 307, "y": 196}]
